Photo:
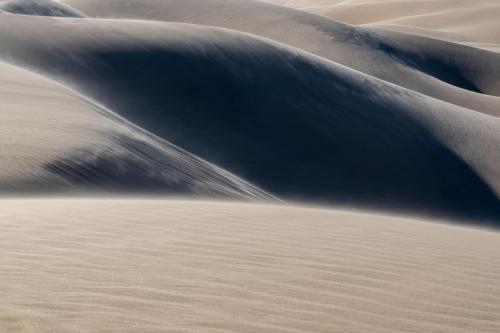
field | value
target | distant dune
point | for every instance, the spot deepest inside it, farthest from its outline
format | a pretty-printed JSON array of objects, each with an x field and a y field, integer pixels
[
  {"x": 470, "y": 22},
  {"x": 158, "y": 266}
]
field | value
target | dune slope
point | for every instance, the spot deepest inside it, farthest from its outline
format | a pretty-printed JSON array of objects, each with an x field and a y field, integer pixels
[
  {"x": 53, "y": 139},
  {"x": 155, "y": 266},
  {"x": 462, "y": 19},
  {"x": 269, "y": 113},
  {"x": 455, "y": 73},
  {"x": 38, "y": 8}
]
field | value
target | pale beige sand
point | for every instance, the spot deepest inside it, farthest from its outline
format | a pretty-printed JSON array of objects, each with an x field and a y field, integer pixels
[
  {"x": 454, "y": 20},
  {"x": 131, "y": 265}
]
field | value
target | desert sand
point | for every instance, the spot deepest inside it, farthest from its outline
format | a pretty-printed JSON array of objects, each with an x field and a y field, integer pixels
[
  {"x": 131, "y": 265},
  {"x": 54, "y": 139},
  {"x": 249, "y": 166},
  {"x": 268, "y": 112},
  {"x": 452, "y": 72},
  {"x": 469, "y": 22}
]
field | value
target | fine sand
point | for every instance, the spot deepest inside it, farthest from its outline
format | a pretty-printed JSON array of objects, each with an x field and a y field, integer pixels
[
  {"x": 113, "y": 110},
  {"x": 270, "y": 113},
  {"x": 469, "y": 22},
  {"x": 123, "y": 265},
  {"x": 452, "y": 72},
  {"x": 54, "y": 139}
]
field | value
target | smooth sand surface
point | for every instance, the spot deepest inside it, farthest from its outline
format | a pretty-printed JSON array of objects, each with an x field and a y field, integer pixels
[
  {"x": 452, "y": 72},
  {"x": 456, "y": 20},
  {"x": 342, "y": 114},
  {"x": 270, "y": 113},
  {"x": 54, "y": 139},
  {"x": 132, "y": 265}
]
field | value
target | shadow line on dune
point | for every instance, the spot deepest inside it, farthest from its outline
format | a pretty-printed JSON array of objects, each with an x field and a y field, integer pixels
[
  {"x": 289, "y": 128},
  {"x": 296, "y": 125},
  {"x": 439, "y": 68},
  {"x": 135, "y": 166}
]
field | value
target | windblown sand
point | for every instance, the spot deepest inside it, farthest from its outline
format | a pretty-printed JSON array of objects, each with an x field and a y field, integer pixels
[
  {"x": 472, "y": 22},
  {"x": 150, "y": 265},
  {"x": 380, "y": 103}
]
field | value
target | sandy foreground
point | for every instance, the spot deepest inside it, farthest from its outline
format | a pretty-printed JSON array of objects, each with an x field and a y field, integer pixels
[{"x": 138, "y": 265}]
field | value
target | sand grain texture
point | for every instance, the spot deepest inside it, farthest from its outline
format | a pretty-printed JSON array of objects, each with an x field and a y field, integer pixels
[
  {"x": 54, "y": 139},
  {"x": 270, "y": 113},
  {"x": 128, "y": 265},
  {"x": 470, "y": 22},
  {"x": 455, "y": 73},
  {"x": 388, "y": 105}
]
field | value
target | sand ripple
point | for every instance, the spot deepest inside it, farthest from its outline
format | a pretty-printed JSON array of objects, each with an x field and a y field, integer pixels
[{"x": 166, "y": 266}]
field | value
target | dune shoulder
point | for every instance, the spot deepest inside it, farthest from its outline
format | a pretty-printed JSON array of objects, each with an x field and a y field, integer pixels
[{"x": 56, "y": 140}]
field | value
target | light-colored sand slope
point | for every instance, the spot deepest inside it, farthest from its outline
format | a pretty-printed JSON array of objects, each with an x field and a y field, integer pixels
[
  {"x": 455, "y": 73},
  {"x": 460, "y": 20},
  {"x": 54, "y": 139},
  {"x": 157, "y": 266},
  {"x": 272, "y": 114}
]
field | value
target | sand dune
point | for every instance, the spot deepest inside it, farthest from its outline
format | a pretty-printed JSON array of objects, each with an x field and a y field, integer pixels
[
  {"x": 123, "y": 107},
  {"x": 343, "y": 136},
  {"x": 455, "y": 73},
  {"x": 38, "y": 8},
  {"x": 471, "y": 20},
  {"x": 68, "y": 143},
  {"x": 102, "y": 265}
]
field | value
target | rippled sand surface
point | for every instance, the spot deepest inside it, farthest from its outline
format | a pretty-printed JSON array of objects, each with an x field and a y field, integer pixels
[{"x": 148, "y": 265}]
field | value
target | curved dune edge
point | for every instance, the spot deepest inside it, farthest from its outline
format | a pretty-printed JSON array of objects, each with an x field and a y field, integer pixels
[
  {"x": 56, "y": 140},
  {"x": 271, "y": 114},
  {"x": 39, "y": 8},
  {"x": 153, "y": 265},
  {"x": 477, "y": 20},
  {"x": 455, "y": 73}
]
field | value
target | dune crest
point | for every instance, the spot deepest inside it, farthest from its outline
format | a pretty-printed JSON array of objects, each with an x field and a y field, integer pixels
[
  {"x": 461, "y": 20},
  {"x": 38, "y": 8},
  {"x": 270, "y": 113},
  {"x": 70, "y": 144},
  {"x": 282, "y": 166},
  {"x": 454, "y": 73}
]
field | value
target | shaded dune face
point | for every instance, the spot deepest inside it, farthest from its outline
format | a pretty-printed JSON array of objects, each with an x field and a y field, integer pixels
[
  {"x": 136, "y": 166},
  {"x": 455, "y": 73},
  {"x": 69, "y": 144},
  {"x": 293, "y": 124},
  {"x": 38, "y": 8}
]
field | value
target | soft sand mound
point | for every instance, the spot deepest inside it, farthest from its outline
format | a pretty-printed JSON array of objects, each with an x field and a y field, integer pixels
[
  {"x": 456, "y": 19},
  {"x": 451, "y": 72},
  {"x": 38, "y": 8},
  {"x": 54, "y": 139},
  {"x": 158, "y": 266},
  {"x": 273, "y": 114}
]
